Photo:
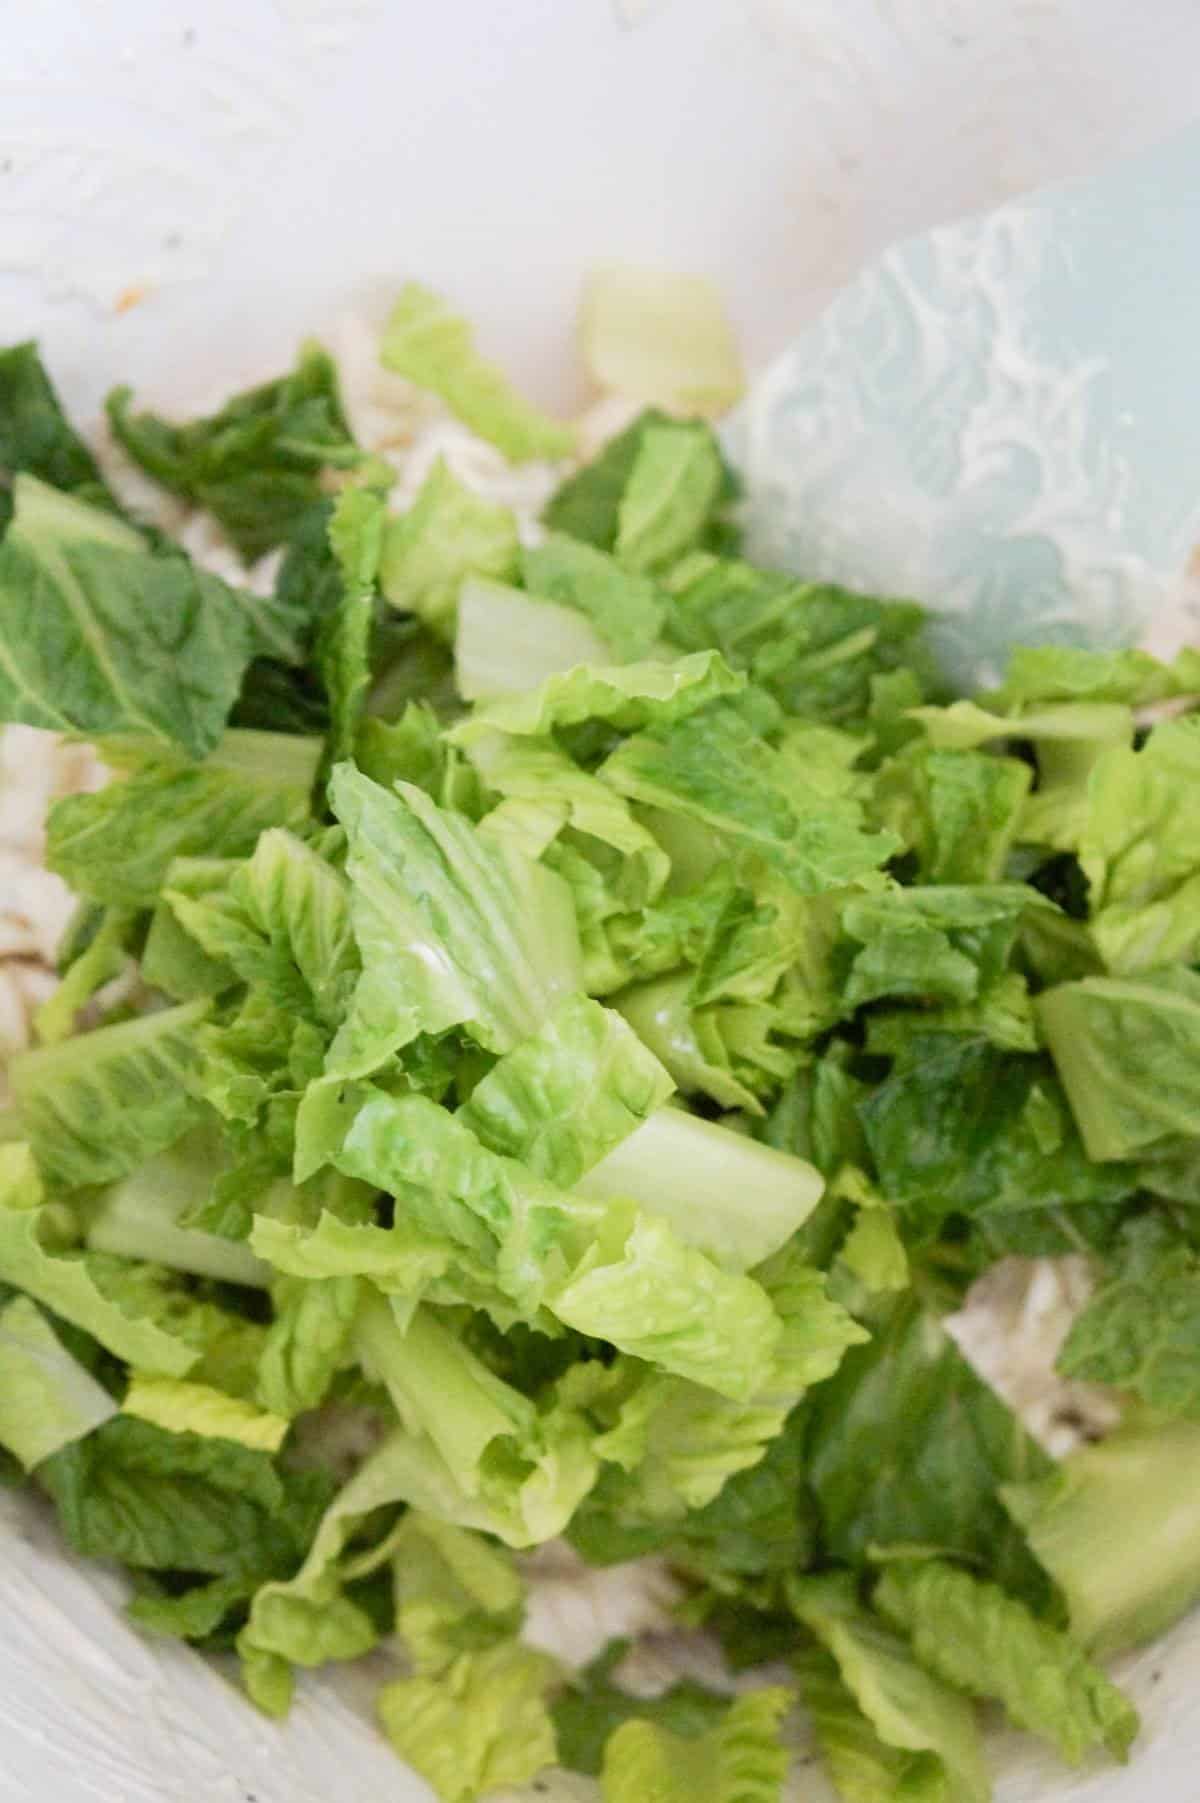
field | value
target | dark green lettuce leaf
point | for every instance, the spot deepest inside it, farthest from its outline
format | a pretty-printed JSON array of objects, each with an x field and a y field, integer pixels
[
  {"x": 36, "y": 436},
  {"x": 904, "y": 1444},
  {"x": 815, "y": 647},
  {"x": 99, "y": 634},
  {"x": 594, "y": 1707},
  {"x": 180, "y": 1502},
  {"x": 961, "y": 1125},
  {"x": 256, "y": 465}
]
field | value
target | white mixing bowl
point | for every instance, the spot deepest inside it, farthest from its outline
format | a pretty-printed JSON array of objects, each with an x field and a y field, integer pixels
[{"x": 186, "y": 189}]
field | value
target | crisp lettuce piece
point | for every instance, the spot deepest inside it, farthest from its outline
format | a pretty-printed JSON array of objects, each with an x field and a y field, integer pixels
[
  {"x": 732, "y": 1197},
  {"x": 105, "y": 958},
  {"x": 1143, "y": 819},
  {"x": 310, "y": 1619},
  {"x": 145, "y": 1213},
  {"x": 1041, "y": 675},
  {"x": 873, "y": 1251},
  {"x": 675, "y": 485},
  {"x": 281, "y": 924},
  {"x": 508, "y": 642},
  {"x": 455, "y": 1592},
  {"x": 679, "y": 1444},
  {"x": 594, "y": 1707},
  {"x": 67, "y": 1282},
  {"x": 544, "y": 794},
  {"x": 904, "y": 1444},
  {"x": 99, "y": 635},
  {"x": 718, "y": 770},
  {"x": 430, "y": 346},
  {"x": 586, "y": 505},
  {"x": 601, "y": 1267},
  {"x": 178, "y": 1502},
  {"x": 1117, "y": 1527},
  {"x": 659, "y": 337},
  {"x": 524, "y": 1470},
  {"x": 979, "y": 1640},
  {"x": 960, "y": 1125},
  {"x": 665, "y": 1302},
  {"x": 451, "y": 930},
  {"x": 626, "y": 609},
  {"x": 193, "y": 1408},
  {"x": 96, "y": 1106},
  {"x": 742, "y": 1759},
  {"x": 448, "y": 534},
  {"x": 118, "y": 843},
  {"x": 727, "y": 1051},
  {"x": 307, "y": 1342},
  {"x": 36, "y": 436},
  {"x": 342, "y": 646},
  {"x": 626, "y": 696},
  {"x": 1126, "y": 1050},
  {"x": 256, "y": 465},
  {"x": 481, "y": 1723},
  {"x": 47, "y": 1398},
  {"x": 816, "y": 648},
  {"x": 1140, "y": 1331},
  {"x": 907, "y": 1708},
  {"x": 959, "y": 812},
  {"x": 942, "y": 943},
  {"x": 569, "y": 1094},
  {"x": 865, "y": 1767}
]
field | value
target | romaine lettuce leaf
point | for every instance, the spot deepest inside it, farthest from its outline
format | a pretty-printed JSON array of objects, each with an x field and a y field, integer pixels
[
  {"x": 47, "y": 1398},
  {"x": 1117, "y": 1526},
  {"x": 1126, "y": 1050},
  {"x": 480, "y": 1724},
  {"x": 145, "y": 1214},
  {"x": 181, "y": 1503},
  {"x": 100, "y": 635},
  {"x": 451, "y": 930},
  {"x": 626, "y": 696},
  {"x": 977, "y": 1639},
  {"x": 907, "y": 1708},
  {"x": 659, "y": 336},
  {"x": 448, "y": 534},
  {"x": 455, "y": 1592},
  {"x": 96, "y": 1106},
  {"x": 508, "y": 642},
  {"x": 118, "y": 843},
  {"x": 816, "y": 648},
  {"x": 35, "y": 436},
  {"x": 594, "y": 1706},
  {"x": 741, "y": 1759},
  {"x": 569, "y": 1094},
  {"x": 904, "y": 1444},
  {"x": 544, "y": 794},
  {"x": 626, "y": 609},
  {"x": 674, "y": 487},
  {"x": 1140, "y": 1332},
  {"x": 433, "y": 348},
  {"x": 256, "y": 465},
  {"x": 958, "y": 812},
  {"x": 585, "y": 506},
  {"x": 601, "y": 1267},
  {"x": 195, "y": 1408},
  {"x": 865, "y": 1767},
  {"x": 960, "y": 1125},
  {"x": 342, "y": 645},
  {"x": 734, "y": 1198},
  {"x": 307, "y": 1342},
  {"x": 716, "y": 768}
]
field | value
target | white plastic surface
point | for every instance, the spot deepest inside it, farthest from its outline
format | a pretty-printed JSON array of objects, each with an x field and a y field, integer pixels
[{"x": 186, "y": 189}]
